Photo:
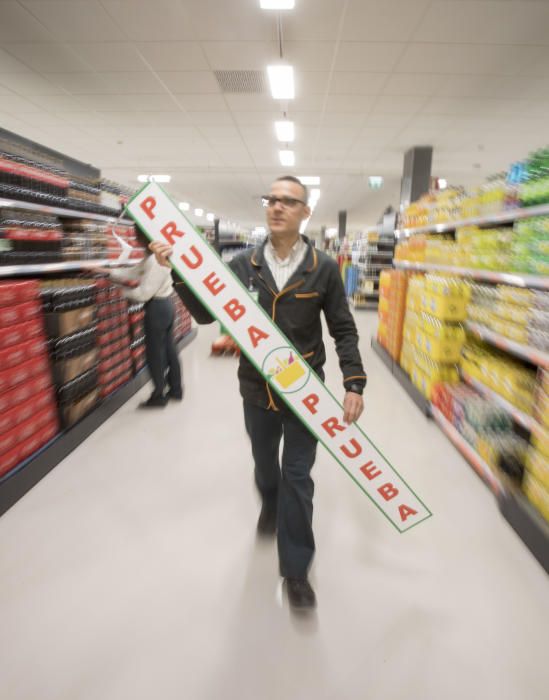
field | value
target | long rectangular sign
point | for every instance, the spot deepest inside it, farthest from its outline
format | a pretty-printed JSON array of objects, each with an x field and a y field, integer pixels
[{"x": 224, "y": 295}]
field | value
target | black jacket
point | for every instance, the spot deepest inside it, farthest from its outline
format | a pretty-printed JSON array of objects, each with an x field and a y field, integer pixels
[{"x": 314, "y": 287}]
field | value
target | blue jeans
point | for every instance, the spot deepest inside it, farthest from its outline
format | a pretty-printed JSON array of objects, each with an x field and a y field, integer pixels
[{"x": 288, "y": 485}]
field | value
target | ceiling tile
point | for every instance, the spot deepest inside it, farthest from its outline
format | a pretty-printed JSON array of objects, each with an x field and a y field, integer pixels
[
  {"x": 163, "y": 20},
  {"x": 29, "y": 84},
  {"x": 230, "y": 21},
  {"x": 382, "y": 20},
  {"x": 420, "y": 84},
  {"x": 189, "y": 82},
  {"x": 256, "y": 118},
  {"x": 342, "y": 119},
  {"x": 9, "y": 64},
  {"x": 40, "y": 119},
  {"x": 108, "y": 56},
  {"x": 485, "y": 22},
  {"x": 312, "y": 82},
  {"x": 19, "y": 25},
  {"x": 84, "y": 21},
  {"x": 350, "y": 103},
  {"x": 48, "y": 58},
  {"x": 252, "y": 103},
  {"x": 144, "y": 83},
  {"x": 308, "y": 55},
  {"x": 357, "y": 83},
  {"x": 466, "y": 85},
  {"x": 202, "y": 103},
  {"x": 240, "y": 55},
  {"x": 465, "y": 59},
  {"x": 174, "y": 55},
  {"x": 313, "y": 20},
  {"x": 387, "y": 104},
  {"x": 14, "y": 105},
  {"x": 370, "y": 58},
  {"x": 59, "y": 103},
  {"x": 203, "y": 118},
  {"x": 79, "y": 83},
  {"x": 155, "y": 119},
  {"x": 129, "y": 103}
]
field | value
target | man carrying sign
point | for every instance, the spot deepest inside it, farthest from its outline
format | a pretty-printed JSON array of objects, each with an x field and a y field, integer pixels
[{"x": 294, "y": 283}]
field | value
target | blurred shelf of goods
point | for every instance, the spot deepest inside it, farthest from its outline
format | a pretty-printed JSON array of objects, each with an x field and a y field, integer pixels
[
  {"x": 68, "y": 342},
  {"x": 465, "y": 315}
]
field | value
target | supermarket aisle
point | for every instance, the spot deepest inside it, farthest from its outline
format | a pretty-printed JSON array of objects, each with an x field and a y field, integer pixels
[{"x": 132, "y": 570}]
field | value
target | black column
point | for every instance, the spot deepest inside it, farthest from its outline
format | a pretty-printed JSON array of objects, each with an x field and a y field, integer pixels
[
  {"x": 416, "y": 176},
  {"x": 216, "y": 235},
  {"x": 342, "y": 220}
]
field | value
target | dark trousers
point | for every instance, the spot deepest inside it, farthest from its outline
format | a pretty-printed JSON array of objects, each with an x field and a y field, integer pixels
[
  {"x": 288, "y": 484},
  {"x": 160, "y": 346}
]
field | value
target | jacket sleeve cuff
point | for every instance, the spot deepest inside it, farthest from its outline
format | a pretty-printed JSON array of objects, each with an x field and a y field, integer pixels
[{"x": 357, "y": 381}]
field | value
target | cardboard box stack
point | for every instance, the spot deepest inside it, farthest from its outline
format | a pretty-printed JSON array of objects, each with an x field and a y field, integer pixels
[
  {"x": 392, "y": 300},
  {"x": 137, "y": 332}
]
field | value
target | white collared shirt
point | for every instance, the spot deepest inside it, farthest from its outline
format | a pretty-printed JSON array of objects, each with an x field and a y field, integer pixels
[{"x": 282, "y": 270}]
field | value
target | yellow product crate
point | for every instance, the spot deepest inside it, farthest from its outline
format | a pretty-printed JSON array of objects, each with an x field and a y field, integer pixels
[
  {"x": 446, "y": 286},
  {"x": 445, "y": 308},
  {"x": 540, "y": 440},
  {"x": 519, "y": 334},
  {"x": 486, "y": 448},
  {"x": 437, "y": 349},
  {"x": 520, "y": 315},
  {"x": 445, "y": 331},
  {"x": 538, "y": 465},
  {"x": 515, "y": 295},
  {"x": 542, "y": 408},
  {"x": 383, "y": 304},
  {"x": 536, "y": 494}
]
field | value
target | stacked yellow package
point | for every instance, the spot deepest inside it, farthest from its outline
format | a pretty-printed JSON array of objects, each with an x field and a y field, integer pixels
[
  {"x": 413, "y": 249},
  {"x": 509, "y": 378},
  {"x": 535, "y": 483},
  {"x": 392, "y": 299}
]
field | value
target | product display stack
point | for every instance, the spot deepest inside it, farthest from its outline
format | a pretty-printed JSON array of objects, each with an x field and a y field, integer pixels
[
  {"x": 535, "y": 482},
  {"x": 30, "y": 238},
  {"x": 113, "y": 338},
  {"x": 392, "y": 304},
  {"x": 183, "y": 319},
  {"x": 70, "y": 314},
  {"x": 136, "y": 315},
  {"x": 28, "y": 412}
]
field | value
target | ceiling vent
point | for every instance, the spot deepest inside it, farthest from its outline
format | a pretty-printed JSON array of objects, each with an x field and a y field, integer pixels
[{"x": 247, "y": 81}]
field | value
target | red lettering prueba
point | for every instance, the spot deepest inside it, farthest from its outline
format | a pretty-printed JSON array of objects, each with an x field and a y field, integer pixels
[
  {"x": 170, "y": 232},
  {"x": 388, "y": 491},
  {"x": 357, "y": 449},
  {"x": 331, "y": 425},
  {"x": 214, "y": 284},
  {"x": 256, "y": 335},
  {"x": 370, "y": 470},
  {"x": 310, "y": 402},
  {"x": 235, "y": 309},
  {"x": 405, "y": 512},
  {"x": 189, "y": 262},
  {"x": 148, "y": 206}
]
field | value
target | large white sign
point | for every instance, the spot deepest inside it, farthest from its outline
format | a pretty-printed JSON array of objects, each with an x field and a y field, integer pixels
[{"x": 275, "y": 358}]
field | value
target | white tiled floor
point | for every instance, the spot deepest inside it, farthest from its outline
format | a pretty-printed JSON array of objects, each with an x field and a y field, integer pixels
[{"x": 132, "y": 571}]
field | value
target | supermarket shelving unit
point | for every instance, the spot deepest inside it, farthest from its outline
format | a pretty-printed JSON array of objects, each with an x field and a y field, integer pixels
[
  {"x": 60, "y": 211},
  {"x": 517, "y": 510},
  {"x": 15, "y": 484}
]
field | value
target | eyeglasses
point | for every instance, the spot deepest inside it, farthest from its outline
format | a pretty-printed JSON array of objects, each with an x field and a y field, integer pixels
[{"x": 269, "y": 200}]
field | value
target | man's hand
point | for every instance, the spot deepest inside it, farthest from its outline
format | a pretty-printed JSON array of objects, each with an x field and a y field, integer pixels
[
  {"x": 162, "y": 253},
  {"x": 353, "y": 405}
]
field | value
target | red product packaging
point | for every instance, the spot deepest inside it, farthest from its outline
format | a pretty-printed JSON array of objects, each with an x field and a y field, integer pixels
[
  {"x": 20, "y": 333},
  {"x": 19, "y": 313},
  {"x": 18, "y": 292},
  {"x": 25, "y": 410},
  {"x": 38, "y": 439},
  {"x": 10, "y": 357},
  {"x": 22, "y": 373}
]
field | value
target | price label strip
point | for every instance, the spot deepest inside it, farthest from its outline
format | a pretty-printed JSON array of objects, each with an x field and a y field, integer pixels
[{"x": 272, "y": 354}]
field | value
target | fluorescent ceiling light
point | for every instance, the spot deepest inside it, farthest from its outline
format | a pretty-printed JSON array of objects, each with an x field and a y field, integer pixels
[
  {"x": 154, "y": 178},
  {"x": 285, "y": 131},
  {"x": 210, "y": 216},
  {"x": 303, "y": 226},
  {"x": 375, "y": 182},
  {"x": 287, "y": 158},
  {"x": 198, "y": 212},
  {"x": 331, "y": 232},
  {"x": 281, "y": 79},
  {"x": 184, "y": 206},
  {"x": 260, "y": 229},
  {"x": 314, "y": 196},
  {"x": 442, "y": 183},
  {"x": 277, "y": 4},
  {"x": 309, "y": 180}
]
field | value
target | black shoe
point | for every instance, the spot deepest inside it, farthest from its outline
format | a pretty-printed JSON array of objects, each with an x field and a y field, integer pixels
[
  {"x": 300, "y": 594},
  {"x": 175, "y": 395},
  {"x": 266, "y": 524},
  {"x": 154, "y": 402}
]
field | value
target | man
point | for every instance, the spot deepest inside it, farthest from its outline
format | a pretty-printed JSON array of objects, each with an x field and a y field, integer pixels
[{"x": 294, "y": 283}]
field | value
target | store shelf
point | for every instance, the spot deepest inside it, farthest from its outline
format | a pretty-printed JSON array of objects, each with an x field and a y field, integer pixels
[
  {"x": 519, "y": 417},
  {"x": 26, "y": 270},
  {"x": 474, "y": 459},
  {"x": 402, "y": 378},
  {"x": 529, "y": 525},
  {"x": 536, "y": 357},
  {"x": 59, "y": 211},
  {"x": 510, "y": 278},
  {"x": 507, "y": 216},
  {"x": 18, "y": 482}
]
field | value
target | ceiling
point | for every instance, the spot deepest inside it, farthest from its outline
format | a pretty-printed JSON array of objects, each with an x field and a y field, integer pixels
[{"x": 129, "y": 86}]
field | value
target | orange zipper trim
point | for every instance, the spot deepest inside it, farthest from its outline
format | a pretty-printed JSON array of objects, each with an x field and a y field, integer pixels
[{"x": 308, "y": 295}]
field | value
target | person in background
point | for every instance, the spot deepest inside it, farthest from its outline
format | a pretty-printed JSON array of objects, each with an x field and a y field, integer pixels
[
  {"x": 295, "y": 284},
  {"x": 151, "y": 285}
]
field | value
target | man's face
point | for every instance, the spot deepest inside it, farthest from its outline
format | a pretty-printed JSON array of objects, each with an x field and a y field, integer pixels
[{"x": 286, "y": 219}]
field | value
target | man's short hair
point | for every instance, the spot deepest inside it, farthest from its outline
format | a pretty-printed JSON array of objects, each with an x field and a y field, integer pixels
[{"x": 292, "y": 178}]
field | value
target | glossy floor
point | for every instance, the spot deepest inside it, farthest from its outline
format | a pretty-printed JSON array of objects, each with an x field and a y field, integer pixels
[{"x": 133, "y": 572}]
